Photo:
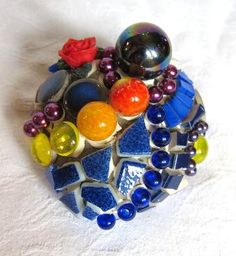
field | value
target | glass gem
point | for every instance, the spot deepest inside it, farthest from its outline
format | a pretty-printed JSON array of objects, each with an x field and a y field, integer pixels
[
  {"x": 160, "y": 159},
  {"x": 143, "y": 50},
  {"x": 201, "y": 147},
  {"x": 155, "y": 114},
  {"x": 141, "y": 197},
  {"x": 80, "y": 93},
  {"x": 161, "y": 137},
  {"x": 106, "y": 221},
  {"x": 129, "y": 96},
  {"x": 126, "y": 211},
  {"x": 41, "y": 150},
  {"x": 152, "y": 179},
  {"x": 64, "y": 138},
  {"x": 110, "y": 78},
  {"x": 156, "y": 94},
  {"x": 97, "y": 121},
  {"x": 53, "y": 111}
]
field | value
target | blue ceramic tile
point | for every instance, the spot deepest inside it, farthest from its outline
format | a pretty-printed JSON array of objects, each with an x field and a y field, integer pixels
[
  {"x": 172, "y": 119},
  {"x": 178, "y": 141},
  {"x": 172, "y": 181},
  {"x": 128, "y": 174},
  {"x": 159, "y": 196},
  {"x": 180, "y": 108},
  {"x": 70, "y": 200},
  {"x": 182, "y": 76},
  {"x": 179, "y": 161},
  {"x": 66, "y": 175},
  {"x": 97, "y": 164},
  {"x": 186, "y": 88},
  {"x": 195, "y": 116},
  {"x": 101, "y": 195},
  {"x": 134, "y": 141},
  {"x": 89, "y": 213},
  {"x": 186, "y": 100}
]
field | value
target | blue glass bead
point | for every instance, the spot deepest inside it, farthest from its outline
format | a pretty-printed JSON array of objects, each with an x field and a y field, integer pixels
[
  {"x": 152, "y": 179},
  {"x": 160, "y": 159},
  {"x": 106, "y": 221},
  {"x": 160, "y": 137},
  {"x": 126, "y": 211},
  {"x": 53, "y": 68},
  {"x": 155, "y": 114},
  {"x": 141, "y": 197}
]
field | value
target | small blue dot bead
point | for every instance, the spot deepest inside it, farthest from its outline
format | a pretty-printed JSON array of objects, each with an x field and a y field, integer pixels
[
  {"x": 152, "y": 180},
  {"x": 161, "y": 137},
  {"x": 126, "y": 211},
  {"x": 140, "y": 197},
  {"x": 53, "y": 68},
  {"x": 155, "y": 114},
  {"x": 106, "y": 221},
  {"x": 160, "y": 159}
]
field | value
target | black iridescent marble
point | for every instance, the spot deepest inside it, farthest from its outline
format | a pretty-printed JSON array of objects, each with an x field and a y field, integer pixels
[{"x": 143, "y": 50}]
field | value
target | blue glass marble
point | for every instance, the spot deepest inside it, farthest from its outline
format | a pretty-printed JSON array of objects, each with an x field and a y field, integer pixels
[
  {"x": 180, "y": 161},
  {"x": 161, "y": 137},
  {"x": 152, "y": 179},
  {"x": 89, "y": 213},
  {"x": 52, "y": 88},
  {"x": 101, "y": 195},
  {"x": 159, "y": 196},
  {"x": 70, "y": 200},
  {"x": 80, "y": 93},
  {"x": 65, "y": 175},
  {"x": 126, "y": 211},
  {"x": 134, "y": 141},
  {"x": 140, "y": 197},
  {"x": 97, "y": 164},
  {"x": 106, "y": 221},
  {"x": 155, "y": 114},
  {"x": 128, "y": 173},
  {"x": 160, "y": 159}
]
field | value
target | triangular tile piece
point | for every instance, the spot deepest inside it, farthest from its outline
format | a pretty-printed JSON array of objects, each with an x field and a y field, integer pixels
[
  {"x": 134, "y": 141},
  {"x": 180, "y": 108},
  {"x": 97, "y": 165},
  {"x": 171, "y": 117}
]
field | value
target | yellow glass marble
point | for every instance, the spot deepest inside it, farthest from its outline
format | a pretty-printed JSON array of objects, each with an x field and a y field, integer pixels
[
  {"x": 97, "y": 121},
  {"x": 41, "y": 150},
  {"x": 64, "y": 138},
  {"x": 201, "y": 147}
]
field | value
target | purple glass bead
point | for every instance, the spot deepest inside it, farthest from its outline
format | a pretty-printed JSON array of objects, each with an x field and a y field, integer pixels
[
  {"x": 171, "y": 71},
  {"x": 191, "y": 169},
  {"x": 191, "y": 150},
  {"x": 156, "y": 94},
  {"x": 106, "y": 65},
  {"x": 193, "y": 136},
  {"x": 53, "y": 111},
  {"x": 201, "y": 127},
  {"x": 40, "y": 120},
  {"x": 110, "y": 78},
  {"x": 168, "y": 86},
  {"x": 109, "y": 52},
  {"x": 30, "y": 129}
]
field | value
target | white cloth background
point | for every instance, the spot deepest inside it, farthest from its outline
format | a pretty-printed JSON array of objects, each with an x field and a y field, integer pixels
[{"x": 199, "y": 221}]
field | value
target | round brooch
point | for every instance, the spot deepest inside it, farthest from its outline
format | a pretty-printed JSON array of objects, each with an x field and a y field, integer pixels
[{"x": 119, "y": 129}]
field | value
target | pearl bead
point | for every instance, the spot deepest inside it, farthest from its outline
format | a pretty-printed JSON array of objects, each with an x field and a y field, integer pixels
[
  {"x": 40, "y": 120},
  {"x": 156, "y": 94},
  {"x": 126, "y": 211},
  {"x": 106, "y": 221},
  {"x": 201, "y": 127},
  {"x": 53, "y": 111},
  {"x": 168, "y": 86},
  {"x": 191, "y": 150},
  {"x": 30, "y": 129},
  {"x": 152, "y": 179},
  {"x": 140, "y": 197},
  {"x": 106, "y": 65},
  {"x": 155, "y": 114},
  {"x": 109, "y": 52},
  {"x": 160, "y": 137},
  {"x": 160, "y": 159},
  {"x": 191, "y": 169},
  {"x": 193, "y": 136},
  {"x": 110, "y": 78},
  {"x": 171, "y": 71}
]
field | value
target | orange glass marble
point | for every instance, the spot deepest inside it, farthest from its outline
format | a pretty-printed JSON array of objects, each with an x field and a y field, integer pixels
[
  {"x": 129, "y": 96},
  {"x": 97, "y": 121}
]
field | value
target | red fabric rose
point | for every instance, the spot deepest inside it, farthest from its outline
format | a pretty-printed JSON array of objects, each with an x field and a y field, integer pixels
[{"x": 77, "y": 52}]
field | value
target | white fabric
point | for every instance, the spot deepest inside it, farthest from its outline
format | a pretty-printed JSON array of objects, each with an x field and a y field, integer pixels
[{"x": 199, "y": 221}]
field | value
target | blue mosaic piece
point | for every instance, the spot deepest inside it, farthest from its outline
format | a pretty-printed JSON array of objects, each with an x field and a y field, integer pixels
[
  {"x": 101, "y": 195},
  {"x": 64, "y": 176},
  {"x": 186, "y": 88},
  {"x": 182, "y": 76},
  {"x": 180, "y": 161},
  {"x": 159, "y": 196},
  {"x": 128, "y": 174},
  {"x": 180, "y": 108},
  {"x": 172, "y": 119},
  {"x": 185, "y": 99},
  {"x": 171, "y": 181},
  {"x": 71, "y": 201},
  {"x": 89, "y": 213},
  {"x": 134, "y": 141},
  {"x": 97, "y": 164},
  {"x": 178, "y": 141}
]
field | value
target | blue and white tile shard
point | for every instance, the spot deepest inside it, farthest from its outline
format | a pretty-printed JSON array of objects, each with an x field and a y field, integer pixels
[{"x": 151, "y": 163}]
